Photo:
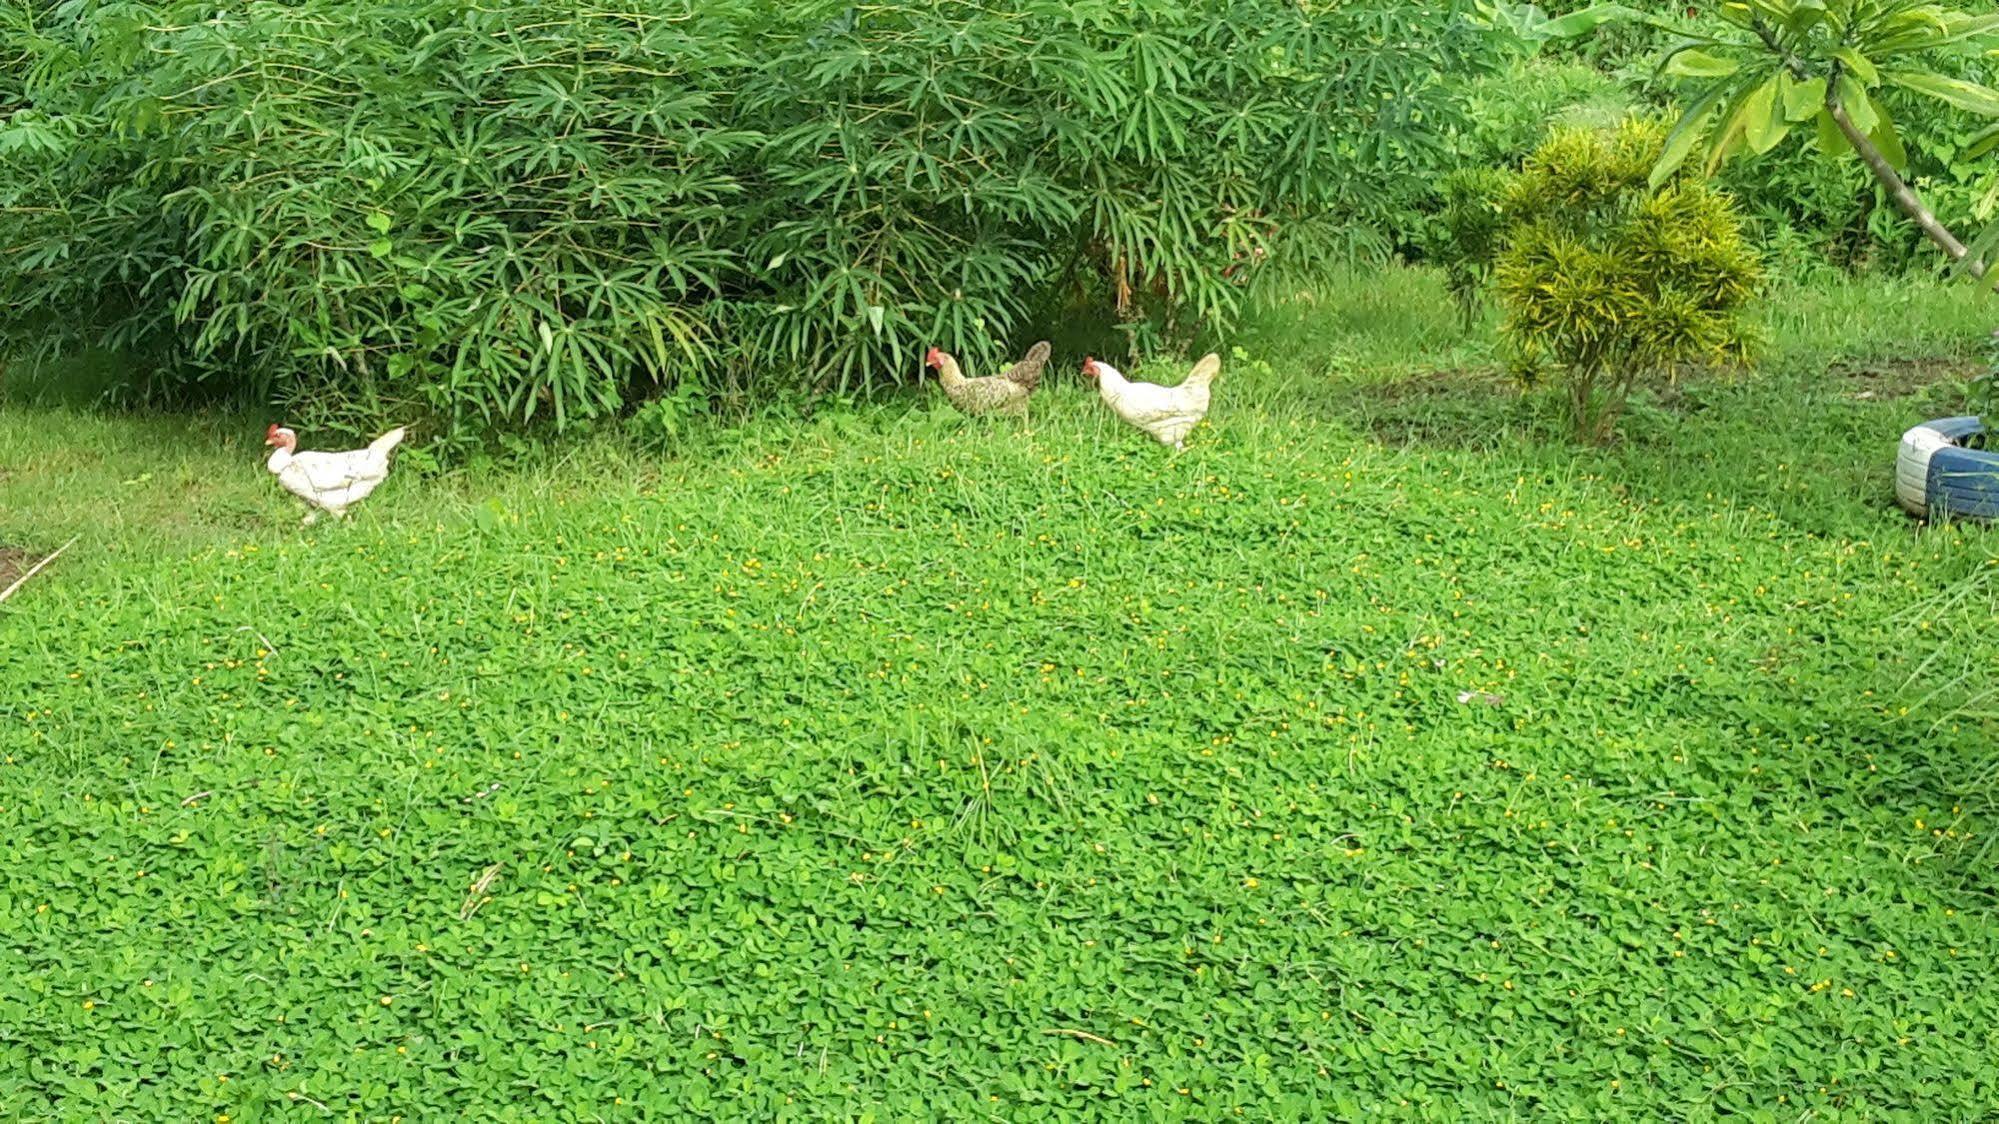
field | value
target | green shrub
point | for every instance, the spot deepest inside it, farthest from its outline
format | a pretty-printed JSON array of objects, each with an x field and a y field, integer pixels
[
  {"x": 1606, "y": 283},
  {"x": 492, "y": 215},
  {"x": 1509, "y": 113},
  {"x": 1474, "y": 220}
]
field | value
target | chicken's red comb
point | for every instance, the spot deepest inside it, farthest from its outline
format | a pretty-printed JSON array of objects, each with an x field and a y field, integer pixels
[{"x": 271, "y": 430}]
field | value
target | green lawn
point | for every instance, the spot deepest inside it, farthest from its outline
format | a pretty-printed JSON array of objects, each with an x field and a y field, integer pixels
[{"x": 883, "y": 763}]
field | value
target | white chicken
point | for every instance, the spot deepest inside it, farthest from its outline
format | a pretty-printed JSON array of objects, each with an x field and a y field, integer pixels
[
  {"x": 1168, "y": 413},
  {"x": 329, "y": 482}
]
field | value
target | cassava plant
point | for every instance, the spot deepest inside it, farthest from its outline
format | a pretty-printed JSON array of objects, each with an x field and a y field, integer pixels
[
  {"x": 1606, "y": 283},
  {"x": 480, "y": 215},
  {"x": 940, "y": 166},
  {"x": 543, "y": 211}
]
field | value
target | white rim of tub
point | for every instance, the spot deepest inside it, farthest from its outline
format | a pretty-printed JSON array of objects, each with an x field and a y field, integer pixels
[{"x": 1937, "y": 476}]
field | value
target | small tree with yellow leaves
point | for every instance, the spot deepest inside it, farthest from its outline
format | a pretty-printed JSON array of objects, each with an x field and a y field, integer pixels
[{"x": 1606, "y": 283}]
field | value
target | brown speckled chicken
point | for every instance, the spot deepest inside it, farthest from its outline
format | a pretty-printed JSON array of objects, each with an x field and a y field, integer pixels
[{"x": 1004, "y": 393}]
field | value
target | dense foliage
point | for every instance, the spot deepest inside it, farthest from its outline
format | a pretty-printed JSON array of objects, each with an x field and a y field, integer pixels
[
  {"x": 874, "y": 765},
  {"x": 1770, "y": 66},
  {"x": 1811, "y": 206},
  {"x": 491, "y": 214}
]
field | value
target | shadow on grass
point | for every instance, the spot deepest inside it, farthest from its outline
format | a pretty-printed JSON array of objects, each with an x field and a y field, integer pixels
[{"x": 1815, "y": 447}]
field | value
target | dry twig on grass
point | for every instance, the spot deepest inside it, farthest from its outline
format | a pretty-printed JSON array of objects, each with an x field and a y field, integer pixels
[
  {"x": 478, "y": 897},
  {"x": 36, "y": 569},
  {"x": 1082, "y": 1034}
]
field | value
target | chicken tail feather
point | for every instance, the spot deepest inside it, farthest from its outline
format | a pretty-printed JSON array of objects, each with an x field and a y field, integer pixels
[
  {"x": 389, "y": 440},
  {"x": 1205, "y": 371},
  {"x": 1027, "y": 372}
]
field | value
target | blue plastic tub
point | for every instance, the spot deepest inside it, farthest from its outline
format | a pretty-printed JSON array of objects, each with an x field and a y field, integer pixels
[{"x": 1944, "y": 471}]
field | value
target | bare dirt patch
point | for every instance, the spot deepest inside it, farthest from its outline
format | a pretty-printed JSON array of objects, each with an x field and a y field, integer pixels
[
  {"x": 1448, "y": 383},
  {"x": 1889, "y": 379},
  {"x": 1458, "y": 406},
  {"x": 13, "y": 563}
]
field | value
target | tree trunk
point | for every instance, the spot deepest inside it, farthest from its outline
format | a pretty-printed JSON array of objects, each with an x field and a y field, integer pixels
[
  {"x": 1596, "y": 401},
  {"x": 1582, "y": 387},
  {"x": 1906, "y": 200}
]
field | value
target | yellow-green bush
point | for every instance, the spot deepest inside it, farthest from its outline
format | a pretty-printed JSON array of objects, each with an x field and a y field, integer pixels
[{"x": 1606, "y": 283}]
